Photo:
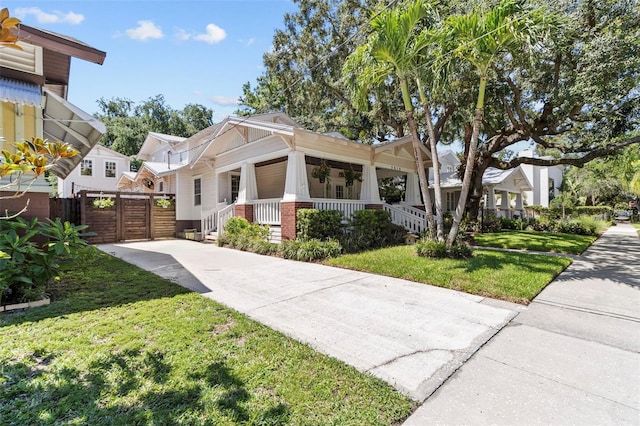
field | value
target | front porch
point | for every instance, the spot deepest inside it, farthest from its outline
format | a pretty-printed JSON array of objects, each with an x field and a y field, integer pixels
[{"x": 347, "y": 187}]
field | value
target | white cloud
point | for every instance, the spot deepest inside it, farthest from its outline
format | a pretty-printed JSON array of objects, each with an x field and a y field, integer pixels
[
  {"x": 54, "y": 17},
  {"x": 144, "y": 31},
  {"x": 225, "y": 100},
  {"x": 214, "y": 35},
  {"x": 250, "y": 41}
]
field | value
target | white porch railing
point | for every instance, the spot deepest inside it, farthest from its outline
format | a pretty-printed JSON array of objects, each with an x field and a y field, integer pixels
[
  {"x": 267, "y": 211},
  {"x": 412, "y": 210},
  {"x": 223, "y": 216},
  {"x": 409, "y": 218},
  {"x": 209, "y": 221},
  {"x": 347, "y": 207}
]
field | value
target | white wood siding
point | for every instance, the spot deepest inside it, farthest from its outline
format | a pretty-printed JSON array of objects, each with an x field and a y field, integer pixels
[
  {"x": 184, "y": 194},
  {"x": 271, "y": 180},
  {"x": 99, "y": 157}
]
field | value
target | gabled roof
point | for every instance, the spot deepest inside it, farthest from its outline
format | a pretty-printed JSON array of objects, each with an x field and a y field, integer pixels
[
  {"x": 101, "y": 149},
  {"x": 205, "y": 140},
  {"x": 154, "y": 140},
  {"x": 159, "y": 169},
  {"x": 491, "y": 177}
]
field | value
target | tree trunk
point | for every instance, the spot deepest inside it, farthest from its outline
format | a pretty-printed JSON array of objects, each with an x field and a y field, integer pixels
[
  {"x": 471, "y": 159},
  {"x": 476, "y": 191},
  {"x": 415, "y": 142},
  {"x": 436, "y": 165}
]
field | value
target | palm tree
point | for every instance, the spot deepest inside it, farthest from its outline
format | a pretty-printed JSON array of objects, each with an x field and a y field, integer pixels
[
  {"x": 392, "y": 49},
  {"x": 480, "y": 38}
]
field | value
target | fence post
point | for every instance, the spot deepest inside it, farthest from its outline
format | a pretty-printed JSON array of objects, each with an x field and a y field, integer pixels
[
  {"x": 119, "y": 217},
  {"x": 150, "y": 206}
]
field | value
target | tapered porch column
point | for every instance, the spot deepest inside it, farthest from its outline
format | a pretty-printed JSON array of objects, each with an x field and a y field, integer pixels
[
  {"x": 296, "y": 187},
  {"x": 296, "y": 194},
  {"x": 504, "y": 204},
  {"x": 519, "y": 205},
  {"x": 491, "y": 200},
  {"x": 247, "y": 192},
  {"x": 369, "y": 191},
  {"x": 412, "y": 193}
]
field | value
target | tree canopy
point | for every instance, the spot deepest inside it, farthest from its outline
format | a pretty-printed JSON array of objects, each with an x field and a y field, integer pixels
[
  {"x": 574, "y": 92},
  {"x": 128, "y": 124}
]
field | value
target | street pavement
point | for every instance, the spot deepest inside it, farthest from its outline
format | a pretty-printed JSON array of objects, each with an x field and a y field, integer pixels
[
  {"x": 572, "y": 357},
  {"x": 411, "y": 335}
]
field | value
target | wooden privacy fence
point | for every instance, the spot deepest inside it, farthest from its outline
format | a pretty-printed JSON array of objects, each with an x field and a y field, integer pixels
[{"x": 133, "y": 216}]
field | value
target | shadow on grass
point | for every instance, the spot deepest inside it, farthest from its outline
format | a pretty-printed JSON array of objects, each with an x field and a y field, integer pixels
[
  {"x": 128, "y": 387},
  {"x": 535, "y": 241},
  {"x": 95, "y": 280}
]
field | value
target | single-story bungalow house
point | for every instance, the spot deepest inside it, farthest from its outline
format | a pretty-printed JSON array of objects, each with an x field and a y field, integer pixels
[{"x": 265, "y": 167}]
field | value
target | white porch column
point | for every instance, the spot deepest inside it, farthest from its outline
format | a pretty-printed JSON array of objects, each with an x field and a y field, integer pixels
[
  {"x": 248, "y": 190},
  {"x": 491, "y": 198},
  {"x": 296, "y": 187},
  {"x": 412, "y": 193},
  {"x": 504, "y": 203},
  {"x": 519, "y": 205},
  {"x": 369, "y": 189}
]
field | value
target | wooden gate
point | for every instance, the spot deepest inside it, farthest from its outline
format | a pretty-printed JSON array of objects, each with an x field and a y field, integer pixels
[{"x": 133, "y": 216}]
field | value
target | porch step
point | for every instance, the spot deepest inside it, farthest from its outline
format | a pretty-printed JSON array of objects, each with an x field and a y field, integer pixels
[
  {"x": 275, "y": 234},
  {"x": 211, "y": 237}
]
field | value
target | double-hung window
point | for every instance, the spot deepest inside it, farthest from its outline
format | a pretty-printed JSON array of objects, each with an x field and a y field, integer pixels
[
  {"x": 197, "y": 191},
  {"x": 86, "y": 168},
  {"x": 110, "y": 169}
]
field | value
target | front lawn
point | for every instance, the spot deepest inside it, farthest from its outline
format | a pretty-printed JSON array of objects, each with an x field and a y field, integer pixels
[
  {"x": 555, "y": 242},
  {"x": 516, "y": 277},
  {"x": 122, "y": 346}
]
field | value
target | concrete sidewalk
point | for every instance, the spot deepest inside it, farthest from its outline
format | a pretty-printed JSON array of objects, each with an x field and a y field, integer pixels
[
  {"x": 411, "y": 335},
  {"x": 572, "y": 357}
]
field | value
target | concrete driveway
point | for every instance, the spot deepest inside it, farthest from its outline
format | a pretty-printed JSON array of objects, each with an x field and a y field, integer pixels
[{"x": 413, "y": 336}]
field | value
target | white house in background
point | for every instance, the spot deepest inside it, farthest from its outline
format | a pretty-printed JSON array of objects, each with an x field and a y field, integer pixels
[
  {"x": 162, "y": 155},
  {"x": 262, "y": 168},
  {"x": 546, "y": 181},
  {"x": 506, "y": 192},
  {"x": 98, "y": 170}
]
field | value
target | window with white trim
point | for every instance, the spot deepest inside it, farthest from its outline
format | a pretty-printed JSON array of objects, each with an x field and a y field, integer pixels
[
  {"x": 197, "y": 191},
  {"x": 235, "y": 187},
  {"x": 110, "y": 169},
  {"x": 86, "y": 168}
]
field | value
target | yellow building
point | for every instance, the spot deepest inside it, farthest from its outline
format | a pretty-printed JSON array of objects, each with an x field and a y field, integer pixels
[{"x": 34, "y": 84}]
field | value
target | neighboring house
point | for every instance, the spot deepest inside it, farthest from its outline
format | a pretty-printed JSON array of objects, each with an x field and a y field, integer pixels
[
  {"x": 98, "y": 171},
  {"x": 546, "y": 181},
  {"x": 506, "y": 192},
  {"x": 162, "y": 155},
  {"x": 33, "y": 89},
  {"x": 262, "y": 167}
]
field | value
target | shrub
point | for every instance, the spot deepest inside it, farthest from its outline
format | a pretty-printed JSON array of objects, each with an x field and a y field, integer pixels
[
  {"x": 314, "y": 224},
  {"x": 438, "y": 249},
  {"x": 605, "y": 211},
  {"x": 27, "y": 267},
  {"x": 239, "y": 234},
  {"x": 309, "y": 250},
  {"x": 511, "y": 224},
  {"x": 491, "y": 223},
  {"x": 371, "y": 229}
]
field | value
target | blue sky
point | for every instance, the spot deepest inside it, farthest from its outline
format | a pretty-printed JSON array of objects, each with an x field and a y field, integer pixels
[{"x": 189, "y": 51}]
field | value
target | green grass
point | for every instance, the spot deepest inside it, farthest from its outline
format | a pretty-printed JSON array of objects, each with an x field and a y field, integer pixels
[
  {"x": 554, "y": 242},
  {"x": 121, "y": 346},
  {"x": 516, "y": 277}
]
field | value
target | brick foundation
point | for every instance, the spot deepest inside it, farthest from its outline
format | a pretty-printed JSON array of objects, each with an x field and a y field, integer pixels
[
  {"x": 288, "y": 212},
  {"x": 245, "y": 211},
  {"x": 373, "y": 206}
]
